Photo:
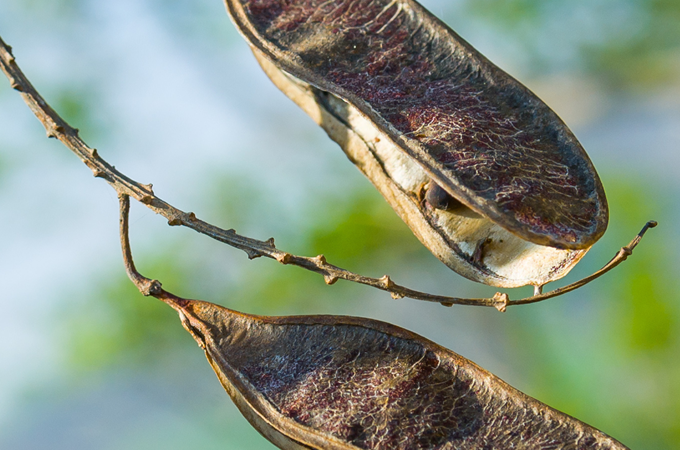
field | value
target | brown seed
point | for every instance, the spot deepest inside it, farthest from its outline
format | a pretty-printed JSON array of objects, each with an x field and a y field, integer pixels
[{"x": 438, "y": 198}]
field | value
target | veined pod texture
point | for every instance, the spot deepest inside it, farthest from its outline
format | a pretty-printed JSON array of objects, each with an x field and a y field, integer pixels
[
  {"x": 333, "y": 382},
  {"x": 486, "y": 175}
]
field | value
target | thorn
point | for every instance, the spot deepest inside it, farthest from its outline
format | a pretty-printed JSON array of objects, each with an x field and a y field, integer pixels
[
  {"x": 283, "y": 258},
  {"x": 94, "y": 153},
  {"x": 16, "y": 86},
  {"x": 330, "y": 279},
  {"x": 502, "y": 301},
  {"x": 96, "y": 171},
  {"x": 175, "y": 221},
  {"x": 447, "y": 304},
  {"x": 396, "y": 296},
  {"x": 386, "y": 281},
  {"x": 270, "y": 242},
  {"x": 191, "y": 217},
  {"x": 252, "y": 254},
  {"x": 320, "y": 260},
  {"x": 146, "y": 199},
  {"x": 148, "y": 187}
]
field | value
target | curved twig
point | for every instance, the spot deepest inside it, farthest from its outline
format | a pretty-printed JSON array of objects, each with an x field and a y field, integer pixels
[{"x": 58, "y": 128}]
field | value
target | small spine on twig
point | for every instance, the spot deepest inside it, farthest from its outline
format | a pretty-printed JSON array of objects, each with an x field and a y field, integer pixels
[
  {"x": 386, "y": 282},
  {"x": 96, "y": 171},
  {"x": 330, "y": 279},
  {"x": 175, "y": 221},
  {"x": 283, "y": 257},
  {"x": 501, "y": 301},
  {"x": 54, "y": 130}
]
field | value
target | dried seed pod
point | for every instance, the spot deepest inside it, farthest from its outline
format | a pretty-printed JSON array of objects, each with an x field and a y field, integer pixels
[
  {"x": 330, "y": 382},
  {"x": 417, "y": 109}
]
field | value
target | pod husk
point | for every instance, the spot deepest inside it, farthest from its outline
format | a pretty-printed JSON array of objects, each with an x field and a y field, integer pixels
[
  {"x": 333, "y": 382},
  {"x": 391, "y": 72}
]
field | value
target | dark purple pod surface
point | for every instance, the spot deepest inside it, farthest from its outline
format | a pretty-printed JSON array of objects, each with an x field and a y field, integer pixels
[
  {"x": 480, "y": 134},
  {"x": 332, "y": 382}
]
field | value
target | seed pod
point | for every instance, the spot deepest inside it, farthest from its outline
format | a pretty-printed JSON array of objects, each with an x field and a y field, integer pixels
[
  {"x": 329, "y": 382},
  {"x": 418, "y": 110}
]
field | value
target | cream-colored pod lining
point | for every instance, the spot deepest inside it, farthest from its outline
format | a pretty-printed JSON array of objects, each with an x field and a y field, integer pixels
[{"x": 467, "y": 242}]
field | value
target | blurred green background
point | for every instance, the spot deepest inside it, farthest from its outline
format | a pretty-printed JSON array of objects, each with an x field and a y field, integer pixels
[{"x": 169, "y": 93}]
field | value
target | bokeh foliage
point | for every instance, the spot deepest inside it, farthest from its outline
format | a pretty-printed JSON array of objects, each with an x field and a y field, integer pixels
[
  {"x": 614, "y": 344},
  {"x": 628, "y": 44}
]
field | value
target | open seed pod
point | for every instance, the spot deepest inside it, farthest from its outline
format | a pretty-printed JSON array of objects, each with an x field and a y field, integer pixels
[
  {"x": 331, "y": 382},
  {"x": 482, "y": 171}
]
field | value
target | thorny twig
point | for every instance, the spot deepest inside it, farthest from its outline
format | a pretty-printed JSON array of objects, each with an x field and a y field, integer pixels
[{"x": 58, "y": 128}]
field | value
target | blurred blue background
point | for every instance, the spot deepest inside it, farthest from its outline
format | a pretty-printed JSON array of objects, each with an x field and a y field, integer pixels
[{"x": 170, "y": 94}]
